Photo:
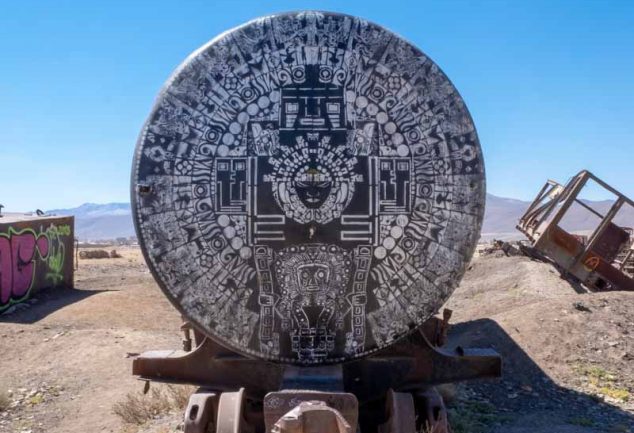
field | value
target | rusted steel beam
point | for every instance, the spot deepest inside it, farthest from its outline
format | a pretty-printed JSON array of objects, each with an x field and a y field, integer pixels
[{"x": 412, "y": 364}]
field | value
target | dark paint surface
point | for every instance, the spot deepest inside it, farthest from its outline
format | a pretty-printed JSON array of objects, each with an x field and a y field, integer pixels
[{"x": 308, "y": 188}]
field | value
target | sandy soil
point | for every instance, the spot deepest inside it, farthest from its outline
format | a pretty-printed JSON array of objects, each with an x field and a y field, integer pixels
[
  {"x": 73, "y": 346},
  {"x": 568, "y": 356}
]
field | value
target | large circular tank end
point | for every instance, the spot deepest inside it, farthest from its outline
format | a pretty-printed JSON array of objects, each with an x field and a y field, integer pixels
[{"x": 308, "y": 188}]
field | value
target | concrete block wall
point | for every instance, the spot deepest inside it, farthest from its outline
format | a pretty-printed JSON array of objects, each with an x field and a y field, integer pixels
[{"x": 36, "y": 253}]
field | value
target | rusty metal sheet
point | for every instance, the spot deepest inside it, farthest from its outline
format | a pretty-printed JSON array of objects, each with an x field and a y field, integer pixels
[
  {"x": 308, "y": 188},
  {"x": 602, "y": 272},
  {"x": 568, "y": 242},
  {"x": 611, "y": 242}
]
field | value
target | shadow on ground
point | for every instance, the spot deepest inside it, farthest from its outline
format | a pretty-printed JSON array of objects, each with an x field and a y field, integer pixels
[
  {"x": 44, "y": 303},
  {"x": 525, "y": 399}
]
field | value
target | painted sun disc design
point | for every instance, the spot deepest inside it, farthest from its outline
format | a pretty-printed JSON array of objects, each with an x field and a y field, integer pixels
[{"x": 308, "y": 188}]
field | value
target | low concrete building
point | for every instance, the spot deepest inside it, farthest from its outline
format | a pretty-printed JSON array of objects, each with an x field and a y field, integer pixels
[{"x": 36, "y": 252}]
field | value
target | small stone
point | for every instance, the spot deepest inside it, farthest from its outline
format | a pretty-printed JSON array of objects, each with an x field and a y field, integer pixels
[{"x": 580, "y": 306}]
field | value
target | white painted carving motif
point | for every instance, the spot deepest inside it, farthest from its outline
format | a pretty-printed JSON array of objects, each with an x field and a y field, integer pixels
[{"x": 316, "y": 188}]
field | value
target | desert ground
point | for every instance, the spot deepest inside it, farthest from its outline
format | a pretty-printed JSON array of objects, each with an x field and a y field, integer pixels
[{"x": 65, "y": 363}]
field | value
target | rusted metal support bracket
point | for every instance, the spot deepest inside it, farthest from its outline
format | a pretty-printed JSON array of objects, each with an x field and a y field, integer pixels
[
  {"x": 411, "y": 364},
  {"x": 209, "y": 365},
  {"x": 403, "y": 374}
]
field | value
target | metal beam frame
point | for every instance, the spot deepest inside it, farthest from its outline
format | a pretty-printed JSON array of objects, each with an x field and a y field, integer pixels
[{"x": 540, "y": 223}]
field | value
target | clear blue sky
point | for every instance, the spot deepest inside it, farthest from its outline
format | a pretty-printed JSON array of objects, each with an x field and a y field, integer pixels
[{"x": 550, "y": 84}]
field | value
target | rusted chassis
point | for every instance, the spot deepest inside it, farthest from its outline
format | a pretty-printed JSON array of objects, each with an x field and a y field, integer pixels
[
  {"x": 398, "y": 380},
  {"x": 591, "y": 262}
]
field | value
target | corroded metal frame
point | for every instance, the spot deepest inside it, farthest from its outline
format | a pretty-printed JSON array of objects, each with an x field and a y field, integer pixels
[{"x": 588, "y": 261}]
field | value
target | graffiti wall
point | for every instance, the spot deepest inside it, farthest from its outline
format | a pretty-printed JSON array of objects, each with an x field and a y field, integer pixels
[{"x": 35, "y": 253}]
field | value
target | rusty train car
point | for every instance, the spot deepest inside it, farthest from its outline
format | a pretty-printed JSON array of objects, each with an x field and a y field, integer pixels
[{"x": 307, "y": 191}]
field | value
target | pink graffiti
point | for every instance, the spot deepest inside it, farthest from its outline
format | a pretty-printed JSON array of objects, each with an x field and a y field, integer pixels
[{"x": 17, "y": 260}]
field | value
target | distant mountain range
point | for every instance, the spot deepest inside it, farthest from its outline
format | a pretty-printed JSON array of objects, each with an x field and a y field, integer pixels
[
  {"x": 114, "y": 220},
  {"x": 502, "y": 214},
  {"x": 100, "y": 221}
]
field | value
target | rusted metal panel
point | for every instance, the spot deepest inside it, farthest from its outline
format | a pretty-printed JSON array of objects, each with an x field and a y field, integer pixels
[
  {"x": 601, "y": 273},
  {"x": 611, "y": 242},
  {"x": 566, "y": 241}
]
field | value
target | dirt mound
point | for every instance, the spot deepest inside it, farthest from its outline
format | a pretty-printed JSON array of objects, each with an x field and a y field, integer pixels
[
  {"x": 77, "y": 343},
  {"x": 566, "y": 355},
  {"x": 496, "y": 283}
]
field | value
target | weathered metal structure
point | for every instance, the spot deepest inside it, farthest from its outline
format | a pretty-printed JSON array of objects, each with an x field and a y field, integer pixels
[
  {"x": 600, "y": 260},
  {"x": 308, "y": 191}
]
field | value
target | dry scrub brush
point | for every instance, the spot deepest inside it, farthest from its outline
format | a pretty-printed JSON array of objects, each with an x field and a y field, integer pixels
[
  {"x": 138, "y": 408},
  {"x": 5, "y": 400}
]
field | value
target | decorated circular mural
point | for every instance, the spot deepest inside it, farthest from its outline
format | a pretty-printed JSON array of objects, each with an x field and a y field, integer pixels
[{"x": 308, "y": 188}]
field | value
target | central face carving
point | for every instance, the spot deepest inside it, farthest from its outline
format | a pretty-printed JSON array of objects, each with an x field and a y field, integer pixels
[
  {"x": 313, "y": 187},
  {"x": 313, "y": 277},
  {"x": 314, "y": 174}
]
